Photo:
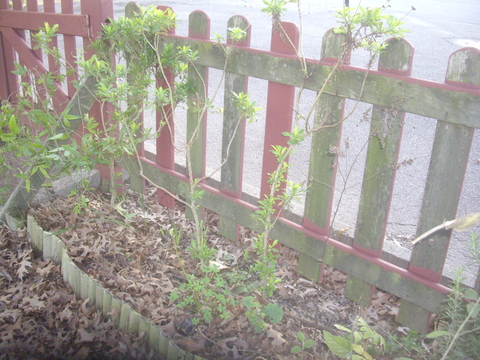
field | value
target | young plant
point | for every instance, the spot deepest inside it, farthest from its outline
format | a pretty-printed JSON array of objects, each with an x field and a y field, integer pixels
[
  {"x": 305, "y": 344},
  {"x": 258, "y": 315},
  {"x": 459, "y": 327},
  {"x": 356, "y": 344}
]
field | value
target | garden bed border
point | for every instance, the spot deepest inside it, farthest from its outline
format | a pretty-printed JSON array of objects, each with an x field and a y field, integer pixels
[{"x": 49, "y": 246}]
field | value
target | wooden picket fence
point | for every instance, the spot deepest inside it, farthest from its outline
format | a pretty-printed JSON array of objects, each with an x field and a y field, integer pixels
[{"x": 455, "y": 104}]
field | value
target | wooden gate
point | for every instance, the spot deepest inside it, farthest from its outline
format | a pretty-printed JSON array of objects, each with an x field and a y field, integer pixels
[{"x": 76, "y": 20}]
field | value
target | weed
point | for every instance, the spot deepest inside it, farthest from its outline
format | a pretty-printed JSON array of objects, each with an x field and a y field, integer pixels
[
  {"x": 305, "y": 344},
  {"x": 258, "y": 315}
]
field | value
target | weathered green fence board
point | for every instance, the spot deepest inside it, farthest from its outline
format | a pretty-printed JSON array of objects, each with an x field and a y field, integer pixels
[
  {"x": 199, "y": 27},
  {"x": 154, "y": 337},
  {"x": 448, "y": 163},
  {"x": 456, "y": 107},
  {"x": 173, "y": 351},
  {"x": 36, "y": 235},
  {"x": 47, "y": 245},
  {"x": 379, "y": 174},
  {"x": 327, "y": 127},
  {"x": 386, "y": 279},
  {"x": 382, "y": 278},
  {"x": 144, "y": 327},
  {"x": 243, "y": 213},
  {"x": 58, "y": 251},
  {"x": 165, "y": 124},
  {"x": 233, "y": 133}
]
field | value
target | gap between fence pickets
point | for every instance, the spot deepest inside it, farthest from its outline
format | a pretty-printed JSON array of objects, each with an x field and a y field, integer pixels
[{"x": 50, "y": 247}]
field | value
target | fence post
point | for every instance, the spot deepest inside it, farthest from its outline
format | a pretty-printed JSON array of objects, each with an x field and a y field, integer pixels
[
  {"x": 446, "y": 172},
  {"x": 379, "y": 174},
  {"x": 233, "y": 137},
  {"x": 323, "y": 168}
]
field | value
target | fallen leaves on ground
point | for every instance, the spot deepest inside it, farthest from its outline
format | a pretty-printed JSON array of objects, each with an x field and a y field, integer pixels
[
  {"x": 40, "y": 317},
  {"x": 133, "y": 256}
]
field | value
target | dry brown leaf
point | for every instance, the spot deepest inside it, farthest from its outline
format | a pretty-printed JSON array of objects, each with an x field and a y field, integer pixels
[
  {"x": 277, "y": 336},
  {"x": 195, "y": 344},
  {"x": 85, "y": 336},
  {"x": 22, "y": 270},
  {"x": 33, "y": 302}
]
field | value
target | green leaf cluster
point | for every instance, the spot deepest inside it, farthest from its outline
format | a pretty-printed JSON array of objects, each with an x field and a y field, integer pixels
[
  {"x": 354, "y": 345},
  {"x": 305, "y": 344},
  {"x": 258, "y": 315},
  {"x": 367, "y": 28}
]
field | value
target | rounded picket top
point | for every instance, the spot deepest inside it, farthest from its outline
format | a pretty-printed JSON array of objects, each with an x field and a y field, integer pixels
[
  {"x": 464, "y": 67},
  {"x": 333, "y": 46},
  {"x": 397, "y": 58},
  {"x": 241, "y": 22},
  {"x": 199, "y": 25}
]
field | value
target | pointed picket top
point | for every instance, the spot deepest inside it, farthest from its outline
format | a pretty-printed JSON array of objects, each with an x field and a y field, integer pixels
[{"x": 464, "y": 67}]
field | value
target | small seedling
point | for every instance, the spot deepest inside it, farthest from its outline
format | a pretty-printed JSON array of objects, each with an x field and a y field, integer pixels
[{"x": 305, "y": 344}]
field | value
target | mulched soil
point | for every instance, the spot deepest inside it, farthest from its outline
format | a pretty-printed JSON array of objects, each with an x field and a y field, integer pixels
[
  {"x": 40, "y": 317},
  {"x": 131, "y": 254}
]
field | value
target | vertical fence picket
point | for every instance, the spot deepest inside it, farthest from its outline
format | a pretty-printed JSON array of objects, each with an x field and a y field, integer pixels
[
  {"x": 199, "y": 28},
  {"x": 166, "y": 125},
  {"x": 280, "y": 103},
  {"x": 233, "y": 132},
  {"x": 379, "y": 174},
  {"x": 448, "y": 163},
  {"x": 70, "y": 49},
  {"x": 137, "y": 183},
  {"x": 32, "y": 5},
  {"x": 53, "y": 66},
  {"x": 322, "y": 169},
  {"x": 19, "y": 5}
]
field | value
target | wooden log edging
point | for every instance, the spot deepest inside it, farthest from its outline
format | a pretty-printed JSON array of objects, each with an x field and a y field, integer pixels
[{"x": 49, "y": 246}]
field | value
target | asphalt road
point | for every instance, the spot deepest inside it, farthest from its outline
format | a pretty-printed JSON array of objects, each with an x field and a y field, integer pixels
[{"x": 437, "y": 29}]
